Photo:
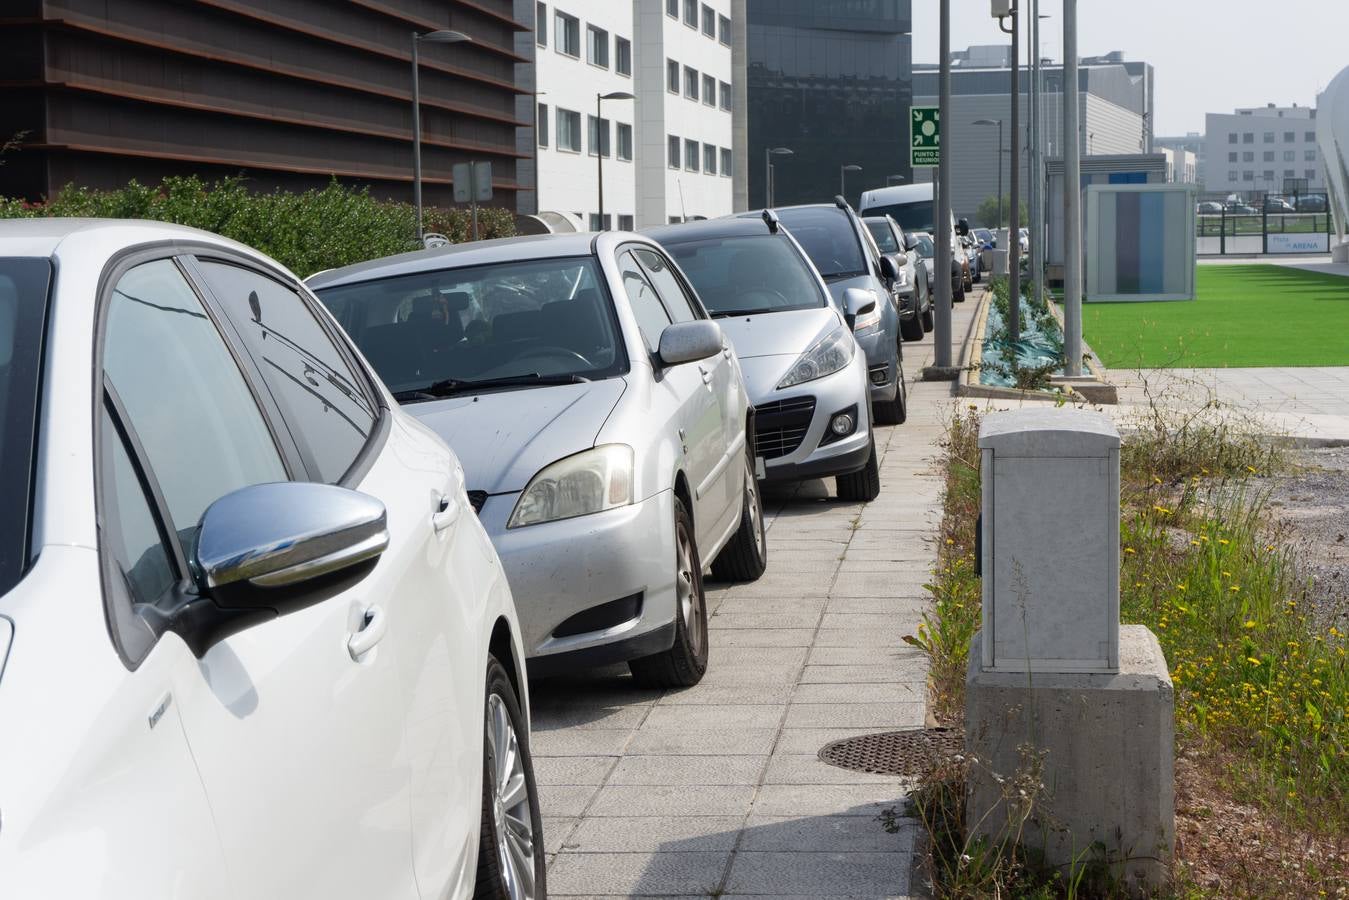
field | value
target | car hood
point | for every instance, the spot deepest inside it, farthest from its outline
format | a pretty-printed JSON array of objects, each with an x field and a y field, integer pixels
[
  {"x": 503, "y": 438},
  {"x": 780, "y": 333}
]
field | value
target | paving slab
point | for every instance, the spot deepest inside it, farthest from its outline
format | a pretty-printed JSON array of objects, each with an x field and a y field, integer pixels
[{"x": 865, "y": 874}]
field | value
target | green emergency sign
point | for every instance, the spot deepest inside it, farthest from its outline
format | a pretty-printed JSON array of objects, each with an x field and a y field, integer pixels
[{"x": 924, "y": 137}]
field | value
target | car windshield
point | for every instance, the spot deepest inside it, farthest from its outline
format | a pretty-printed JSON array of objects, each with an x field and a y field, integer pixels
[
  {"x": 925, "y": 248},
  {"x": 983, "y": 234},
  {"x": 827, "y": 236},
  {"x": 525, "y": 322},
  {"x": 915, "y": 216},
  {"x": 23, "y": 309},
  {"x": 748, "y": 274},
  {"x": 885, "y": 238}
]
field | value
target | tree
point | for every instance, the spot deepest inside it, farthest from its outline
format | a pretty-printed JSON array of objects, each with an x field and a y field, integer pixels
[{"x": 987, "y": 213}]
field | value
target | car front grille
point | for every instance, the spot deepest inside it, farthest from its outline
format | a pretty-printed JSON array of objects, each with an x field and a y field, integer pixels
[
  {"x": 879, "y": 373},
  {"x": 476, "y": 499},
  {"x": 780, "y": 426}
]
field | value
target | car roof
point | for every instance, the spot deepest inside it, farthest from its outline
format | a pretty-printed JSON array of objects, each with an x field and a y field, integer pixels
[
  {"x": 474, "y": 253},
  {"x": 43, "y": 236},
  {"x": 750, "y": 224}
]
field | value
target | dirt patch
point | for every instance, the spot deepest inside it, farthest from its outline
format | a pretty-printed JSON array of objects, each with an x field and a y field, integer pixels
[{"x": 1311, "y": 506}]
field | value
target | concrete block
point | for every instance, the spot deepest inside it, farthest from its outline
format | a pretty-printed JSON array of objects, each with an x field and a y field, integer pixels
[{"x": 1107, "y": 741}]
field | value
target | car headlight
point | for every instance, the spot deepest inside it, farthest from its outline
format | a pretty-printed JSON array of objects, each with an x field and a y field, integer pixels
[
  {"x": 902, "y": 279},
  {"x": 825, "y": 357},
  {"x": 588, "y": 482},
  {"x": 868, "y": 321}
]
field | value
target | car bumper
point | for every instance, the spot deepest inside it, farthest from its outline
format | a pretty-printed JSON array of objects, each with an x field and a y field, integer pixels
[
  {"x": 559, "y": 570},
  {"x": 780, "y": 418}
]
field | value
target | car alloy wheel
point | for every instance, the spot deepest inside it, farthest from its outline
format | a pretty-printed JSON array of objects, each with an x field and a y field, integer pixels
[
  {"x": 686, "y": 592},
  {"x": 511, "y": 814}
]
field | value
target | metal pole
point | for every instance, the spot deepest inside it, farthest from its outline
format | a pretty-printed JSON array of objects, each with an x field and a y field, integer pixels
[
  {"x": 599, "y": 161},
  {"x": 941, "y": 336},
  {"x": 1037, "y": 208},
  {"x": 768, "y": 177},
  {"x": 1000, "y": 217},
  {"x": 1014, "y": 214},
  {"x": 843, "y": 181},
  {"x": 416, "y": 140},
  {"x": 1072, "y": 199}
]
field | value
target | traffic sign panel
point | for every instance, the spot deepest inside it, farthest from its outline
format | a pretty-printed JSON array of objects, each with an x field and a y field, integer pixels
[{"x": 924, "y": 137}]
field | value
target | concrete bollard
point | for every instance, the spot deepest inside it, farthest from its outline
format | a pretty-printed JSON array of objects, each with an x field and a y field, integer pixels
[{"x": 1061, "y": 702}]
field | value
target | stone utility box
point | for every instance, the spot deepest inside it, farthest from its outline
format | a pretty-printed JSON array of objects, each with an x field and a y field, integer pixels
[{"x": 1050, "y": 541}]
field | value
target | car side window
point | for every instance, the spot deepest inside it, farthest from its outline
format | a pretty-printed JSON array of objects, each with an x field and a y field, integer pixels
[
  {"x": 184, "y": 399},
  {"x": 320, "y": 396},
  {"x": 677, "y": 301},
  {"x": 646, "y": 306},
  {"x": 130, "y": 532}
]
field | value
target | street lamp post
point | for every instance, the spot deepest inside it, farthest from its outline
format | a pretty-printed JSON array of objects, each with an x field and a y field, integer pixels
[
  {"x": 843, "y": 178},
  {"x": 600, "y": 133},
  {"x": 893, "y": 179},
  {"x": 1072, "y": 199},
  {"x": 433, "y": 37},
  {"x": 768, "y": 154},
  {"x": 997, "y": 122}
]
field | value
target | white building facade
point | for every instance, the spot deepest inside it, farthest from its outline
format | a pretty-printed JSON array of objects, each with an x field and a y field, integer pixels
[
  {"x": 1180, "y": 165},
  {"x": 1258, "y": 150},
  {"x": 666, "y": 154}
]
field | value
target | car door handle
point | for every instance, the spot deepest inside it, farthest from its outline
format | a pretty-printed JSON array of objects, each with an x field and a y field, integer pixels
[
  {"x": 375, "y": 624},
  {"x": 446, "y": 512},
  {"x": 707, "y": 375},
  {"x": 726, "y": 352}
]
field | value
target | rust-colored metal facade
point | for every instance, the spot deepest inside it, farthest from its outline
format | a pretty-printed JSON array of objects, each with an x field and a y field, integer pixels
[{"x": 286, "y": 92}]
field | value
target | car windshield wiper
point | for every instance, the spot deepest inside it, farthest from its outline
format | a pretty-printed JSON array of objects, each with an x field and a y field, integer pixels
[
  {"x": 732, "y": 313},
  {"x": 448, "y": 387}
]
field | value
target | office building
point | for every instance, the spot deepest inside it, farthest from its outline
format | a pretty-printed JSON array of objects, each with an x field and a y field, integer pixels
[
  {"x": 828, "y": 80},
  {"x": 1114, "y": 115},
  {"x": 1191, "y": 142},
  {"x": 1180, "y": 165},
  {"x": 288, "y": 93},
  {"x": 667, "y": 153},
  {"x": 1265, "y": 149}
]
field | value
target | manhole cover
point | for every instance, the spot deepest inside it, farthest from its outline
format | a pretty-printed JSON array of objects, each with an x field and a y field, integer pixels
[{"x": 895, "y": 752}]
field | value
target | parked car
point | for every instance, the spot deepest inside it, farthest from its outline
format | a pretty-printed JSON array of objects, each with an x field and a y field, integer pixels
[
  {"x": 603, "y": 422},
  {"x": 915, "y": 303},
  {"x": 1023, "y": 235},
  {"x": 253, "y": 642},
  {"x": 1278, "y": 205},
  {"x": 986, "y": 238},
  {"x": 1209, "y": 208},
  {"x": 804, "y": 372},
  {"x": 972, "y": 252},
  {"x": 842, "y": 250},
  {"x": 913, "y": 207},
  {"x": 968, "y": 258},
  {"x": 1237, "y": 208},
  {"x": 1312, "y": 203},
  {"x": 923, "y": 247}
]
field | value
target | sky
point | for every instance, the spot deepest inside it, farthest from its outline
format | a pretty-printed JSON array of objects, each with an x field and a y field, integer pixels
[{"x": 1207, "y": 55}]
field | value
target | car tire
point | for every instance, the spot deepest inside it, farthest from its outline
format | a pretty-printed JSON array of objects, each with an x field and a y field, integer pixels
[
  {"x": 958, "y": 291},
  {"x": 685, "y": 663},
  {"x": 864, "y": 485},
  {"x": 896, "y": 411},
  {"x": 928, "y": 319},
  {"x": 911, "y": 329},
  {"x": 504, "y": 850},
  {"x": 745, "y": 556}
]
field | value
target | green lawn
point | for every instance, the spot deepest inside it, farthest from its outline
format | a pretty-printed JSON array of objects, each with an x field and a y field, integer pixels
[{"x": 1250, "y": 315}]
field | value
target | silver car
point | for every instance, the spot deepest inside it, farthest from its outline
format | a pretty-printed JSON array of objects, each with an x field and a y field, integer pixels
[
  {"x": 915, "y": 302},
  {"x": 602, "y": 422},
  {"x": 804, "y": 371}
]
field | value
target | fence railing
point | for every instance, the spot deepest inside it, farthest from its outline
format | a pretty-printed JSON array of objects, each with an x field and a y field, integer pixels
[{"x": 1264, "y": 224}]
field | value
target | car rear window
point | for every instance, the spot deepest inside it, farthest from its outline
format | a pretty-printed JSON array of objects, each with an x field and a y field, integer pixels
[
  {"x": 748, "y": 274},
  {"x": 915, "y": 216},
  {"x": 828, "y": 239},
  {"x": 885, "y": 238},
  {"x": 24, "y": 287}
]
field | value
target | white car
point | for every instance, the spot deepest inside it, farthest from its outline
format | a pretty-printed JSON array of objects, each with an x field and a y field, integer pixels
[{"x": 253, "y": 641}]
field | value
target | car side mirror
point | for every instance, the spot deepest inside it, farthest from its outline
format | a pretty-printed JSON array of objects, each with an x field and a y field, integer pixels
[
  {"x": 888, "y": 268},
  {"x": 689, "y": 342},
  {"x": 271, "y": 549},
  {"x": 901, "y": 259},
  {"x": 857, "y": 302}
]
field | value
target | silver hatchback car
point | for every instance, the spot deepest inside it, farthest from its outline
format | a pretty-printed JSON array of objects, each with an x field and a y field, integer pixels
[{"x": 603, "y": 424}]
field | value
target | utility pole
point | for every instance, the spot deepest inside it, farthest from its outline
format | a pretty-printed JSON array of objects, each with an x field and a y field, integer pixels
[
  {"x": 1014, "y": 216},
  {"x": 1072, "y": 199},
  {"x": 1037, "y": 187},
  {"x": 941, "y": 335}
]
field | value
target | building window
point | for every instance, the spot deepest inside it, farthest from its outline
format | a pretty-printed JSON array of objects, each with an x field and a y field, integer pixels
[
  {"x": 1309, "y": 156},
  {"x": 567, "y": 34},
  {"x": 1247, "y": 175},
  {"x": 1232, "y": 138},
  {"x": 1248, "y": 137},
  {"x": 709, "y": 159},
  {"x": 596, "y": 224},
  {"x": 1310, "y": 174},
  {"x": 709, "y": 21},
  {"x": 1289, "y": 156},
  {"x": 625, "y": 141},
  {"x": 597, "y": 46},
  {"x": 709, "y": 90},
  {"x": 691, "y": 13},
  {"x": 1269, "y": 156},
  {"x": 622, "y": 56},
  {"x": 541, "y": 24},
  {"x": 1248, "y": 156},
  {"x": 725, "y": 96},
  {"x": 1268, "y": 137},
  {"x": 599, "y": 136},
  {"x": 624, "y": 222},
  {"x": 690, "y": 83},
  {"x": 1232, "y": 156},
  {"x": 690, "y": 155},
  {"x": 1311, "y": 137},
  {"x": 1231, "y": 176},
  {"x": 672, "y": 76},
  {"x": 724, "y": 30},
  {"x": 1288, "y": 173},
  {"x": 672, "y": 8},
  {"x": 568, "y": 130},
  {"x": 543, "y": 125},
  {"x": 726, "y": 161},
  {"x": 1267, "y": 174},
  {"x": 1289, "y": 137},
  {"x": 672, "y": 154}
]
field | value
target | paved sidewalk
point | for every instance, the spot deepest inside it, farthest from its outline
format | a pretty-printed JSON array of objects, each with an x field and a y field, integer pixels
[{"x": 717, "y": 790}]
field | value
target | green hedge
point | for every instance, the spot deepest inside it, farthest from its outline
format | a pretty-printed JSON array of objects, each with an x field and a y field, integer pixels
[{"x": 307, "y": 232}]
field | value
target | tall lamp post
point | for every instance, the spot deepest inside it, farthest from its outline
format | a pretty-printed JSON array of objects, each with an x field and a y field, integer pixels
[
  {"x": 843, "y": 178},
  {"x": 600, "y": 133},
  {"x": 1013, "y": 13},
  {"x": 432, "y": 37},
  {"x": 997, "y": 122},
  {"x": 768, "y": 154}
]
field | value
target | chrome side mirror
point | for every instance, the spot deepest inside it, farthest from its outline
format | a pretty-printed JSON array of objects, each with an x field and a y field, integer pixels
[
  {"x": 901, "y": 259},
  {"x": 888, "y": 268},
  {"x": 858, "y": 302},
  {"x": 689, "y": 342}
]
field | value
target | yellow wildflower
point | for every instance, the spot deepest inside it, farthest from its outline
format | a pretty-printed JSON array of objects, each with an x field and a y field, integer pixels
[
  {"x": 1128, "y": 549},
  {"x": 1249, "y": 623}
]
